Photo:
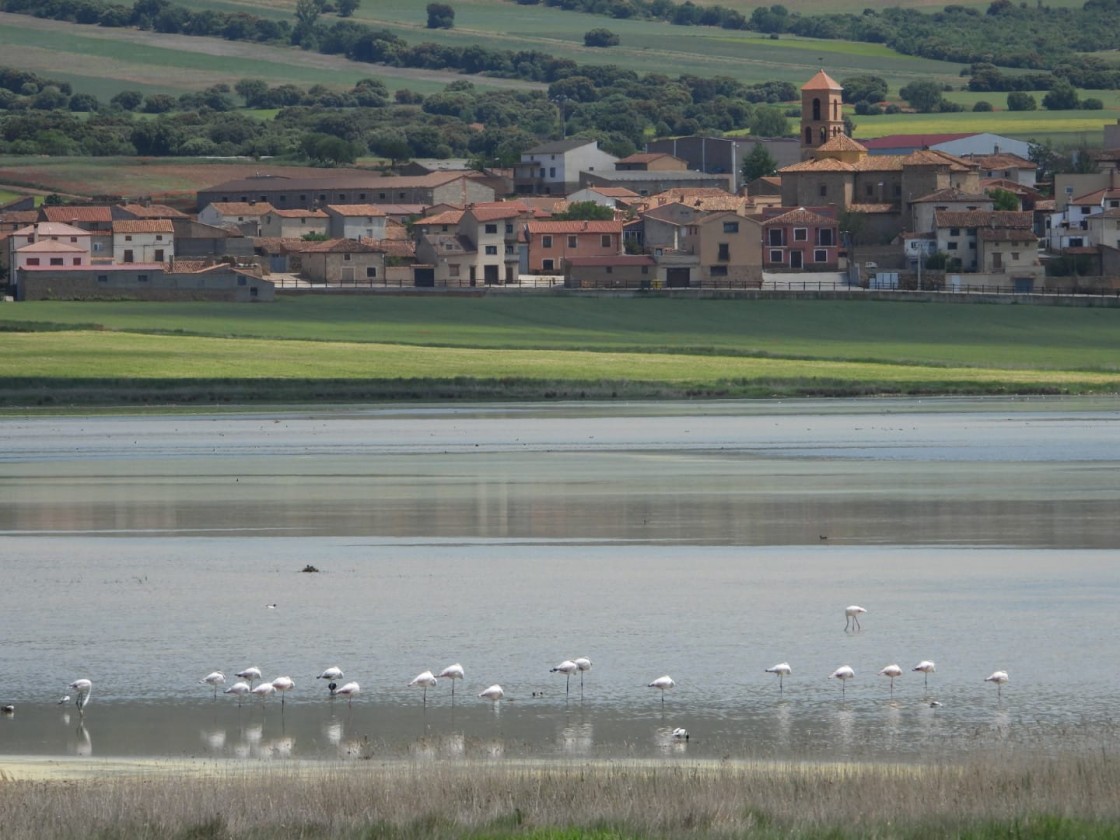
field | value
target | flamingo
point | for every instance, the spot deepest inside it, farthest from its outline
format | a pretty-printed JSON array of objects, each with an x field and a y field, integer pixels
[
  {"x": 494, "y": 693},
  {"x": 265, "y": 689},
  {"x": 567, "y": 668},
  {"x": 843, "y": 673},
  {"x": 926, "y": 667},
  {"x": 331, "y": 674},
  {"x": 452, "y": 672},
  {"x": 283, "y": 685},
  {"x": 783, "y": 670},
  {"x": 250, "y": 674},
  {"x": 214, "y": 679},
  {"x": 425, "y": 680},
  {"x": 84, "y": 688},
  {"x": 891, "y": 671},
  {"x": 664, "y": 684},
  {"x": 680, "y": 733},
  {"x": 584, "y": 664},
  {"x": 240, "y": 689},
  {"x": 851, "y": 616},
  {"x": 1000, "y": 678},
  {"x": 349, "y": 691}
]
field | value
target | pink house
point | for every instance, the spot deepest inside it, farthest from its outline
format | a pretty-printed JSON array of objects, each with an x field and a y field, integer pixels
[
  {"x": 48, "y": 244},
  {"x": 801, "y": 240},
  {"x": 550, "y": 244}
]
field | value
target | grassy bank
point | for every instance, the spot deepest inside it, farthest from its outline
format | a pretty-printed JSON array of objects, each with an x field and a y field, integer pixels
[
  {"x": 1070, "y": 797},
  {"x": 390, "y": 348}
]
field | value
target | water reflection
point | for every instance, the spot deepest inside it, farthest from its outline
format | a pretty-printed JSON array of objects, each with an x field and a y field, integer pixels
[{"x": 83, "y": 743}]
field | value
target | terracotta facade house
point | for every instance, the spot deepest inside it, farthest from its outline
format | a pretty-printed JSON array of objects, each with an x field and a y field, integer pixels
[
  {"x": 143, "y": 241},
  {"x": 549, "y": 244},
  {"x": 342, "y": 261},
  {"x": 618, "y": 271},
  {"x": 730, "y": 248},
  {"x": 245, "y": 216},
  {"x": 48, "y": 244},
  {"x": 801, "y": 240},
  {"x": 95, "y": 218}
]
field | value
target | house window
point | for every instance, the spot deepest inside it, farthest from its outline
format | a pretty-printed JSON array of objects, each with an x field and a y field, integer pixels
[
  {"x": 77, "y": 261},
  {"x": 491, "y": 250},
  {"x": 32, "y": 260},
  {"x": 822, "y": 190},
  {"x": 73, "y": 239},
  {"x": 56, "y": 260},
  {"x": 801, "y": 234},
  {"x": 509, "y": 229},
  {"x": 142, "y": 278},
  {"x": 775, "y": 236},
  {"x": 610, "y": 269},
  {"x": 159, "y": 237},
  {"x": 96, "y": 246},
  {"x": 546, "y": 241},
  {"x": 102, "y": 278},
  {"x": 1014, "y": 255},
  {"x": 381, "y": 196},
  {"x": 491, "y": 228},
  {"x": 820, "y": 255},
  {"x": 724, "y": 252},
  {"x": 605, "y": 240},
  {"x": 542, "y": 172},
  {"x": 952, "y": 246},
  {"x": 322, "y": 197},
  {"x": 241, "y": 281},
  {"x": 826, "y": 237},
  {"x": 128, "y": 257},
  {"x": 954, "y": 231},
  {"x": 548, "y": 265},
  {"x": 128, "y": 239},
  {"x": 453, "y": 270},
  {"x": 371, "y": 271},
  {"x": 898, "y": 190},
  {"x": 730, "y": 227},
  {"x": 717, "y": 271},
  {"x": 303, "y": 198},
  {"x": 400, "y": 196},
  {"x": 552, "y": 172},
  {"x": 346, "y": 257},
  {"x": 645, "y": 269},
  {"x": 775, "y": 256},
  {"x": 283, "y": 198},
  {"x": 509, "y": 250},
  {"x": 573, "y": 242},
  {"x": 868, "y": 190},
  {"x": 159, "y": 254}
]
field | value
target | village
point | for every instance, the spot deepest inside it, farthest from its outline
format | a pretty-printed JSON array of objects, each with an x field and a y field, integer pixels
[{"x": 953, "y": 212}]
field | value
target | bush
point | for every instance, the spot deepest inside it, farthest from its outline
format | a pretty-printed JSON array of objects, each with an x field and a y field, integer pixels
[
  {"x": 1017, "y": 100},
  {"x": 600, "y": 38},
  {"x": 983, "y": 106},
  {"x": 1092, "y": 104},
  {"x": 440, "y": 16}
]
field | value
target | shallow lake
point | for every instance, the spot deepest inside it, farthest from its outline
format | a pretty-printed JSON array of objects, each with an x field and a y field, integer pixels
[{"x": 707, "y": 541}]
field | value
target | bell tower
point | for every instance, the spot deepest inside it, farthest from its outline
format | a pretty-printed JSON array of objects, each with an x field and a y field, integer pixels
[{"x": 822, "y": 116}]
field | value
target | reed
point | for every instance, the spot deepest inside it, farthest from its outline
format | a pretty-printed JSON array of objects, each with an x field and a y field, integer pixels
[{"x": 1012, "y": 795}]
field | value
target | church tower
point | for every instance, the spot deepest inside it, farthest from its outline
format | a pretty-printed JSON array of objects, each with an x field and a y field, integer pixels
[{"x": 822, "y": 116}]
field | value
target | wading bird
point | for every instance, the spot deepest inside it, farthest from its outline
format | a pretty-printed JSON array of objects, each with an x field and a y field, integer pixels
[
  {"x": 283, "y": 685},
  {"x": 250, "y": 674},
  {"x": 783, "y": 670},
  {"x": 567, "y": 668},
  {"x": 452, "y": 672},
  {"x": 851, "y": 617},
  {"x": 843, "y": 673},
  {"x": 84, "y": 688},
  {"x": 265, "y": 689},
  {"x": 926, "y": 667},
  {"x": 892, "y": 671},
  {"x": 349, "y": 691},
  {"x": 425, "y": 680},
  {"x": 494, "y": 693},
  {"x": 239, "y": 689},
  {"x": 584, "y": 664},
  {"x": 1000, "y": 678},
  {"x": 663, "y": 684},
  {"x": 214, "y": 679},
  {"x": 680, "y": 733},
  {"x": 332, "y": 674}
]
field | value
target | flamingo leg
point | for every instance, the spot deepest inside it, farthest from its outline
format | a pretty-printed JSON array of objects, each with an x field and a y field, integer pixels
[{"x": 567, "y": 685}]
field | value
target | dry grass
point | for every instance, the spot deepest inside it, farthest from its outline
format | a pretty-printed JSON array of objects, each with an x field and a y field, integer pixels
[{"x": 1071, "y": 796}]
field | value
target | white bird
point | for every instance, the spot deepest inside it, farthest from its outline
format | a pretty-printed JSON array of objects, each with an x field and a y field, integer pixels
[
  {"x": 349, "y": 691},
  {"x": 64, "y": 700},
  {"x": 664, "y": 684},
  {"x": 214, "y": 679},
  {"x": 584, "y": 664},
  {"x": 926, "y": 667},
  {"x": 332, "y": 674},
  {"x": 851, "y": 617},
  {"x": 84, "y": 688},
  {"x": 680, "y": 733},
  {"x": 452, "y": 672},
  {"x": 783, "y": 670},
  {"x": 425, "y": 680},
  {"x": 892, "y": 671},
  {"x": 843, "y": 673},
  {"x": 567, "y": 668},
  {"x": 263, "y": 690},
  {"x": 494, "y": 693},
  {"x": 250, "y": 674},
  {"x": 239, "y": 689},
  {"x": 1000, "y": 678},
  {"x": 283, "y": 685}
]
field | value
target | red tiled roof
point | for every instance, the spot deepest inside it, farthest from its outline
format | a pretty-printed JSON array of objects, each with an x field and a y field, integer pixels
[
  {"x": 76, "y": 213},
  {"x": 300, "y": 214},
  {"x": 143, "y": 226},
  {"x": 447, "y": 217},
  {"x": 1006, "y": 235},
  {"x": 574, "y": 227},
  {"x": 491, "y": 212},
  {"x": 153, "y": 211},
  {"x": 356, "y": 209},
  {"x": 242, "y": 208},
  {"x": 822, "y": 81},
  {"x": 1023, "y": 220},
  {"x": 800, "y": 216}
]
